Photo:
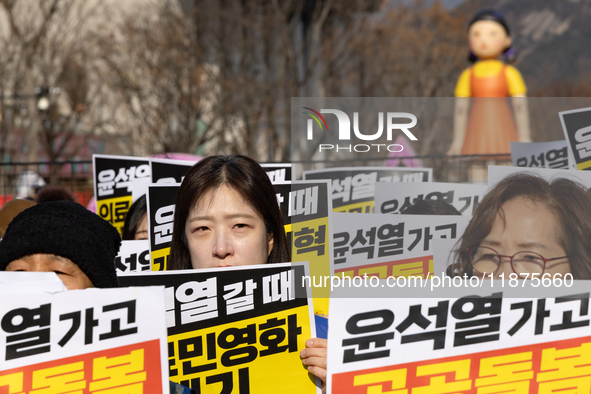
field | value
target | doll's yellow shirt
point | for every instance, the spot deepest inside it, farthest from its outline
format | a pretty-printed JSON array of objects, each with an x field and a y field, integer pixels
[{"x": 491, "y": 68}]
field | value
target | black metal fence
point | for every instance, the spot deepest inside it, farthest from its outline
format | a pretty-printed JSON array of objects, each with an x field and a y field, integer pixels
[{"x": 19, "y": 180}]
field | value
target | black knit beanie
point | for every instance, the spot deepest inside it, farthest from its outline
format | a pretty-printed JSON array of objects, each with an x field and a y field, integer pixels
[{"x": 66, "y": 229}]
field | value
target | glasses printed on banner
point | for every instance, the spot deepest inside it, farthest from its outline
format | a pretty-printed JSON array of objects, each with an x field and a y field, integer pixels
[{"x": 487, "y": 261}]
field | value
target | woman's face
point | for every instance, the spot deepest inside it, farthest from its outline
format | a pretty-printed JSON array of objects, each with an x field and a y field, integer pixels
[
  {"x": 141, "y": 232},
  {"x": 529, "y": 226},
  {"x": 224, "y": 230},
  {"x": 488, "y": 39}
]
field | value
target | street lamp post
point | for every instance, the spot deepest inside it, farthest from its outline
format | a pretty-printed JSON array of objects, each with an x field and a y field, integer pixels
[{"x": 42, "y": 96}]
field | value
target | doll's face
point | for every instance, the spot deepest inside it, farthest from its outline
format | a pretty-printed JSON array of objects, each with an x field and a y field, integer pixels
[{"x": 488, "y": 39}]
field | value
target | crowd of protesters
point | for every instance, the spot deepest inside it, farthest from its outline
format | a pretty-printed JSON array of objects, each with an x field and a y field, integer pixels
[{"x": 227, "y": 215}]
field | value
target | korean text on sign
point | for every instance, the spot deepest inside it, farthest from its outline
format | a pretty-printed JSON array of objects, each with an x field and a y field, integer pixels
[
  {"x": 228, "y": 327},
  {"x": 88, "y": 340}
]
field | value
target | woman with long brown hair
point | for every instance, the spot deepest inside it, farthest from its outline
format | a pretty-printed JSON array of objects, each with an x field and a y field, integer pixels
[{"x": 226, "y": 214}]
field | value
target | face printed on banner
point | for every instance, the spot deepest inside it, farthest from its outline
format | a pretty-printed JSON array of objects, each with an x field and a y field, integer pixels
[
  {"x": 224, "y": 230},
  {"x": 488, "y": 39},
  {"x": 528, "y": 226},
  {"x": 141, "y": 232},
  {"x": 69, "y": 273}
]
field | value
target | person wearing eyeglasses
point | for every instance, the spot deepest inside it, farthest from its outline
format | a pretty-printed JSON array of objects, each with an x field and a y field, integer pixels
[{"x": 530, "y": 227}]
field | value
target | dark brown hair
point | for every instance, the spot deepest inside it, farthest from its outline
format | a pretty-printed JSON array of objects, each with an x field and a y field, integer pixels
[
  {"x": 133, "y": 218},
  {"x": 242, "y": 174},
  {"x": 565, "y": 198},
  {"x": 509, "y": 53}
]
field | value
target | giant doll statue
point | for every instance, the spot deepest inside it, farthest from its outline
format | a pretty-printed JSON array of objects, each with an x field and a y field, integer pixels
[{"x": 488, "y": 126}]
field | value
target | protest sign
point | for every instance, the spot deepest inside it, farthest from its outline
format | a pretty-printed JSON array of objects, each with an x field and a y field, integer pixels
[
  {"x": 160, "y": 202},
  {"x": 306, "y": 210},
  {"x": 384, "y": 245},
  {"x": 551, "y": 154},
  {"x": 236, "y": 330},
  {"x": 115, "y": 179},
  {"x": 23, "y": 282},
  {"x": 83, "y": 341},
  {"x": 278, "y": 172},
  {"x": 576, "y": 125},
  {"x": 169, "y": 170},
  {"x": 353, "y": 188},
  {"x": 481, "y": 343},
  {"x": 134, "y": 256},
  {"x": 391, "y": 198}
]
